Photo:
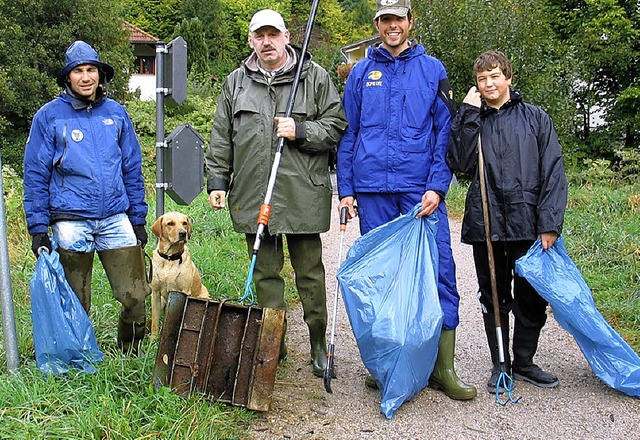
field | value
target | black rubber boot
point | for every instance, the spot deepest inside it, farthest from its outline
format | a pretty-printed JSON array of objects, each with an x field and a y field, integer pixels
[
  {"x": 490, "y": 330},
  {"x": 444, "y": 377},
  {"x": 130, "y": 335},
  {"x": 78, "y": 267},
  {"x": 126, "y": 273},
  {"x": 525, "y": 345}
]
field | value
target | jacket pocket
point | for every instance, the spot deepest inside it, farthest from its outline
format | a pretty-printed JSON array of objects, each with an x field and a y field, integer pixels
[
  {"x": 416, "y": 121},
  {"x": 374, "y": 106}
]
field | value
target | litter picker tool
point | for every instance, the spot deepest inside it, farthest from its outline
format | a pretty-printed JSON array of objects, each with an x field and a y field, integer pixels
[
  {"x": 505, "y": 381},
  {"x": 329, "y": 371},
  {"x": 265, "y": 208}
]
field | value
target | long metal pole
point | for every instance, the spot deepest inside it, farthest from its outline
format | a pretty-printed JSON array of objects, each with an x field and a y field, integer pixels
[
  {"x": 329, "y": 371},
  {"x": 161, "y": 49},
  {"x": 6, "y": 292},
  {"x": 265, "y": 208},
  {"x": 504, "y": 379}
]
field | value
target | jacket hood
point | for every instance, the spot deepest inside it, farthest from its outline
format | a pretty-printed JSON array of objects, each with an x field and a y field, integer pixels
[
  {"x": 80, "y": 53},
  {"x": 378, "y": 53}
]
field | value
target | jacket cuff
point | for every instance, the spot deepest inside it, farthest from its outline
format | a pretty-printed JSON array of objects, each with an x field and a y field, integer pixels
[
  {"x": 301, "y": 134},
  {"x": 217, "y": 184},
  {"x": 38, "y": 229}
]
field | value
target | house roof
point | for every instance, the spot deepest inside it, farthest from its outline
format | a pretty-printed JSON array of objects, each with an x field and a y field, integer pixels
[
  {"x": 358, "y": 44},
  {"x": 137, "y": 35}
]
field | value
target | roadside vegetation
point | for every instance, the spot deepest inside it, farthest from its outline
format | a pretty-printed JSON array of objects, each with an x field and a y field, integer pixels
[{"x": 602, "y": 234}]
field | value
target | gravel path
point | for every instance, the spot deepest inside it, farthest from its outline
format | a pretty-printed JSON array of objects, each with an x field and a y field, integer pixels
[{"x": 582, "y": 407}]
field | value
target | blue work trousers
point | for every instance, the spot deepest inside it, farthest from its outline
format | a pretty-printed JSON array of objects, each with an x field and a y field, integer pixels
[{"x": 375, "y": 209}]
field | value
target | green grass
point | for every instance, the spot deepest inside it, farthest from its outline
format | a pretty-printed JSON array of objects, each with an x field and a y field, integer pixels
[
  {"x": 119, "y": 402},
  {"x": 602, "y": 234}
]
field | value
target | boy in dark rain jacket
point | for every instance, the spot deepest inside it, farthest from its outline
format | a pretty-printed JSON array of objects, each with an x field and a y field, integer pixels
[{"x": 527, "y": 195}]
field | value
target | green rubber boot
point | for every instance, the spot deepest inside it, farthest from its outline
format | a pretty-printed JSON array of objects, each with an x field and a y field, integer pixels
[
  {"x": 444, "y": 377},
  {"x": 126, "y": 273},
  {"x": 78, "y": 267},
  {"x": 318, "y": 348}
]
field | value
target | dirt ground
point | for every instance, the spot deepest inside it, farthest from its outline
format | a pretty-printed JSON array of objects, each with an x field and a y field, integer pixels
[{"x": 582, "y": 407}]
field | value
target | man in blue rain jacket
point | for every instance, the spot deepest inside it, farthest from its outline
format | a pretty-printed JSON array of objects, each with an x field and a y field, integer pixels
[
  {"x": 83, "y": 178},
  {"x": 399, "y": 107}
]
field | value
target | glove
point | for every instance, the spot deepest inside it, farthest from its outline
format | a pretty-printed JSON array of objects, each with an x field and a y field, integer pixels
[
  {"x": 39, "y": 241},
  {"x": 141, "y": 235}
]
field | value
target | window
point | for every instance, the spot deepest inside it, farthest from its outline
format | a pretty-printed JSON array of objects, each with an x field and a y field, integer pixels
[{"x": 145, "y": 65}]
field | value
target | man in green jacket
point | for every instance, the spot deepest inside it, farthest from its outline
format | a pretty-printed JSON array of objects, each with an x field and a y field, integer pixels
[{"x": 248, "y": 122}]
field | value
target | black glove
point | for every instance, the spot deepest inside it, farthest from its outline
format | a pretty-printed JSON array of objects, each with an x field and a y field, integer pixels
[
  {"x": 40, "y": 240},
  {"x": 141, "y": 234}
]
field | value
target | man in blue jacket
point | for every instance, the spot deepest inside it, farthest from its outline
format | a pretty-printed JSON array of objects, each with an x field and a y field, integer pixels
[
  {"x": 399, "y": 107},
  {"x": 83, "y": 177}
]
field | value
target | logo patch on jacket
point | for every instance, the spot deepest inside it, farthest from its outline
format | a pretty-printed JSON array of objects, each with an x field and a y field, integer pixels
[
  {"x": 77, "y": 135},
  {"x": 108, "y": 121},
  {"x": 374, "y": 77}
]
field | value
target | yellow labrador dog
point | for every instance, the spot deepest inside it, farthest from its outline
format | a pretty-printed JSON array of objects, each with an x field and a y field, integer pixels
[{"x": 173, "y": 270}]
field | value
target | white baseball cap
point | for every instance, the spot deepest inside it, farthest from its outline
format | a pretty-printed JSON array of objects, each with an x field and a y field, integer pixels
[{"x": 267, "y": 17}]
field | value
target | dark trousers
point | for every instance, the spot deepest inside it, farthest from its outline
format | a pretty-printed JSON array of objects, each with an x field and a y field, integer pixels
[
  {"x": 305, "y": 252},
  {"x": 529, "y": 308}
]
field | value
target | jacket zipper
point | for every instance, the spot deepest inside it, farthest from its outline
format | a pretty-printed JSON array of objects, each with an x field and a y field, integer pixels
[{"x": 64, "y": 153}]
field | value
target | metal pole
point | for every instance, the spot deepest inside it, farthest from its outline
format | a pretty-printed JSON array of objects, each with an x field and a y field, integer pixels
[
  {"x": 161, "y": 49},
  {"x": 6, "y": 292}
]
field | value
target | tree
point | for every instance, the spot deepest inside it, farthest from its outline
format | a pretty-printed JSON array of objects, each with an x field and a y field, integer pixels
[
  {"x": 458, "y": 31},
  {"x": 604, "y": 40},
  {"x": 47, "y": 28},
  {"x": 194, "y": 33},
  {"x": 156, "y": 17}
]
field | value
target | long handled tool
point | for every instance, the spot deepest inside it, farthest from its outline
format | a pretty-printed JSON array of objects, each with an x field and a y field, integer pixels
[
  {"x": 505, "y": 381},
  {"x": 265, "y": 208},
  {"x": 329, "y": 371}
]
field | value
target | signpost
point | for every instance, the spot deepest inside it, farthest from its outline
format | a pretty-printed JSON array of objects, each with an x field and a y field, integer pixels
[{"x": 179, "y": 158}]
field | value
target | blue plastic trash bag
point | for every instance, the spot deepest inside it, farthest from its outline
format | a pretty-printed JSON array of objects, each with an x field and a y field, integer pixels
[
  {"x": 557, "y": 279},
  {"x": 62, "y": 333},
  {"x": 389, "y": 288}
]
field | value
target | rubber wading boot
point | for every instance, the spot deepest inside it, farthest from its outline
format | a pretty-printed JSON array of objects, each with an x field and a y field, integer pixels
[
  {"x": 525, "y": 345},
  {"x": 130, "y": 335},
  {"x": 78, "y": 267},
  {"x": 490, "y": 330},
  {"x": 444, "y": 377},
  {"x": 126, "y": 273},
  {"x": 318, "y": 348},
  {"x": 370, "y": 382}
]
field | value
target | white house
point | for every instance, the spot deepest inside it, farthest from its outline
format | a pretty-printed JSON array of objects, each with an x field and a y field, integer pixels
[{"x": 144, "y": 48}]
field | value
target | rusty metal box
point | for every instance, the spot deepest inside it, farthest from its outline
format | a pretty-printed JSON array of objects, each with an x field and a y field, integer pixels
[{"x": 228, "y": 352}]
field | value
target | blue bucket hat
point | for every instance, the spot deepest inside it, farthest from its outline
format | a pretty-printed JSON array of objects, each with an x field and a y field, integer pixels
[{"x": 80, "y": 53}]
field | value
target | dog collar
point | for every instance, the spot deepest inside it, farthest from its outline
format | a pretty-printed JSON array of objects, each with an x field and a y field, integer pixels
[{"x": 173, "y": 257}]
